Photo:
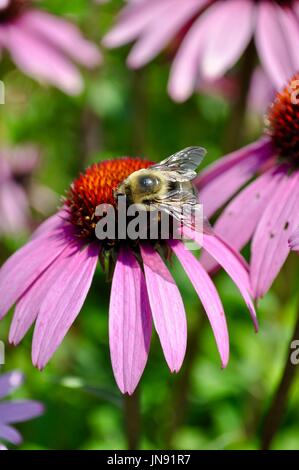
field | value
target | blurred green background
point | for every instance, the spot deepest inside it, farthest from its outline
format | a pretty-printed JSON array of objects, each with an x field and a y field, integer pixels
[{"x": 203, "y": 407}]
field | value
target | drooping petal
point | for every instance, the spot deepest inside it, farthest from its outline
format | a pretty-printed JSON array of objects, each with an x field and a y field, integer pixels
[
  {"x": 19, "y": 411},
  {"x": 167, "y": 307},
  {"x": 219, "y": 182},
  {"x": 62, "y": 304},
  {"x": 231, "y": 261},
  {"x": 274, "y": 44},
  {"x": 54, "y": 222},
  {"x": 269, "y": 248},
  {"x": 241, "y": 216},
  {"x": 10, "y": 434},
  {"x": 130, "y": 322},
  {"x": 294, "y": 241},
  {"x": 25, "y": 266},
  {"x": 133, "y": 20},
  {"x": 42, "y": 61},
  {"x": 62, "y": 34},
  {"x": 28, "y": 306},
  {"x": 208, "y": 295},
  {"x": 155, "y": 38},
  {"x": 10, "y": 382},
  {"x": 231, "y": 30},
  {"x": 290, "y": 27},
  {"x": 185, "y": 68}
]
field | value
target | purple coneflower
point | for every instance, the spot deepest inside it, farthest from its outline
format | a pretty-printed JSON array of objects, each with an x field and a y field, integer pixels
[
  {"x": 266, "y": 210},
  {"x": 49, "y": 278},
  {"x": 12, "y": 412},
  {"x": 16, "y": 166},
  {"x": 211, "y": 36},
  {"x": 44, "y": 46}
]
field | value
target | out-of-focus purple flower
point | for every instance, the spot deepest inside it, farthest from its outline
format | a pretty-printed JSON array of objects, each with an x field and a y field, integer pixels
[
  {"x": 44, "y": 46},
  {"x": 266, "y": 210},
  {"x": 49, "y": 278},
  {"x": 16, "y": 165},
  {"x": 14, "y": 411},
  {"x": 19, "y": 192},
  {"x": 225, "y": 87},
  {"x": 261, "y": 92},
  {"x": 213, "y": 34}
]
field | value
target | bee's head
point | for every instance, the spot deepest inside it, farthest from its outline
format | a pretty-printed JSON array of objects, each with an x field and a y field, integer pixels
[{"x": 140, "y": 186}]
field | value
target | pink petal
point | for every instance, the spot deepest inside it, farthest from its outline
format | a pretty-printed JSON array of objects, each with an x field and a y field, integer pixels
[
  {"x": 275, "y": 44},
  {"x": 237, "y": 224},
  {"x": 231, "y": 27},
  {"x": 28, "y": 306},
  {"x": 185, "y": 68},
  {"x": 269, "y": 248},
  {"x": 10, "y": 382},
  {"x": 62, "y": 34},
  {"x": 19, "y": 411},
  {"x": 294, "y": 241},
  {"x": 10, "y": 434},
  {"x": 4, "y": 4},
  {"x": 233, "y": 263},
  {"x": 221, "y": 180},
  {"x": 167, "y": 307},
  {"x": 25, "y": 266},
  {"x": 62, "y": 304},
  {"x": 130, "y": 322},
  {"x": 54, "y": 222},
  {"x": 133, "y": 20},
  {"x": 208, "y": 295},
  {"x": 42, "y": 61},
  {"x": 156, "y": 37}
]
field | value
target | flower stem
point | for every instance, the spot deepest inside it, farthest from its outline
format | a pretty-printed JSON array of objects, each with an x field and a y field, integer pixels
[
  {"x": 91, "y": 137},
  {"x": 276, "y": 411},
  {"x": 179, "y": 400},
  {"x": 132, "y": 420},
  {"x": 140, "y": 112},
  {"x": 236, "y": 127}
]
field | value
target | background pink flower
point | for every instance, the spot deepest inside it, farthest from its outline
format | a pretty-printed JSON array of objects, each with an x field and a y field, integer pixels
[
  {"x": 16, "y": 166},
  {"x": 266, "y": 210},
  {"x": 44, "y": 46},
  {"x": 14, "y": 411},
  {"x": 213, "y": 34}
]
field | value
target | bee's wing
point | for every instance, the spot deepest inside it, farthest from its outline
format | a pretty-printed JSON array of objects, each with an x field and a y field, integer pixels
[
  {"x": 184, "y": 207},
  {"x": 181, "y": 205},
  {"x": 183, "y": 163},
  {"x": 187, "y": 217}
]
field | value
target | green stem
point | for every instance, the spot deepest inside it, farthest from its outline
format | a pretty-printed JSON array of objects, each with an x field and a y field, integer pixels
[
  {"x": 132, "y": 420},
  {"x": 179, "y": 400},
  {"x": 236, "y": 127},
  {"x": 92, "y": 137},
  {"x": 276, "y": 410},
  {"x": 140, "y": 112}
]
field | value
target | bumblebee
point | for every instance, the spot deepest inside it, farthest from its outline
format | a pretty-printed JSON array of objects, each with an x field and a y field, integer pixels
[{"x": 166, "y": 186}]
